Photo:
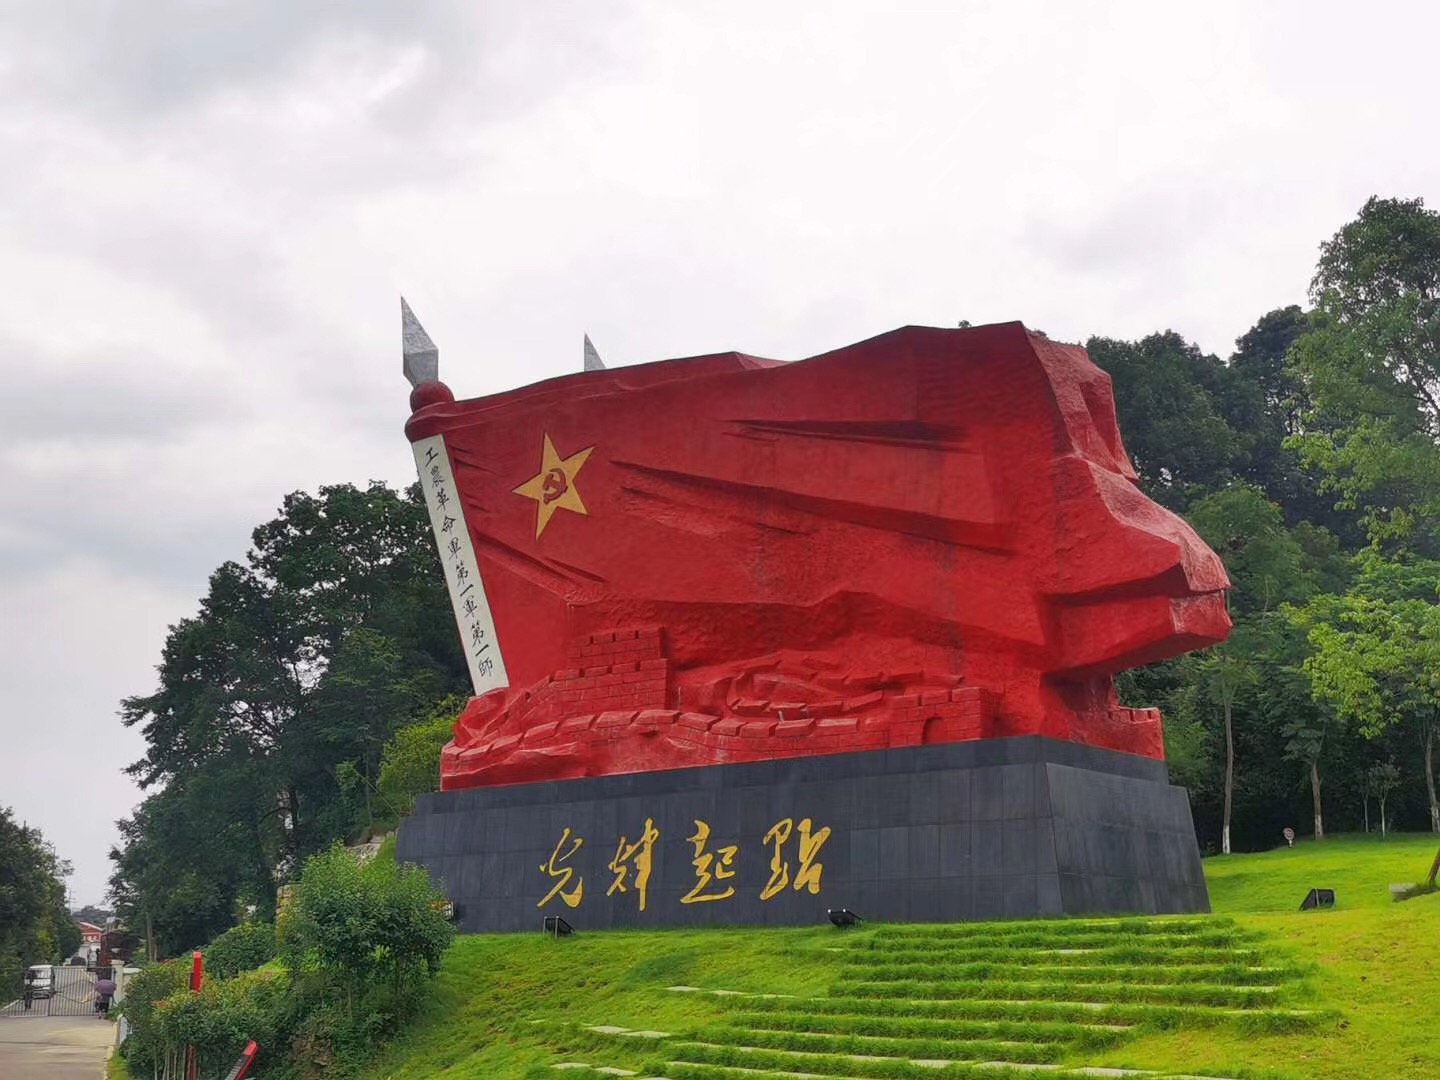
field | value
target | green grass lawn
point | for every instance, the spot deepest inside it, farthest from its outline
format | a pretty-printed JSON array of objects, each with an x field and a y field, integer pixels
[
  {"x": 1258, "y": 990},
  {"x": 869, "y": 1003},
  {"x": 514, "y": 1005},
  {"x": 1374, "y": 961},
  {"x": 1359, "y": 868}
]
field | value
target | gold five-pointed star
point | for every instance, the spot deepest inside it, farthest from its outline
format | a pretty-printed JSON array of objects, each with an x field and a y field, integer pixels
[{"x": 553, "y": 487}]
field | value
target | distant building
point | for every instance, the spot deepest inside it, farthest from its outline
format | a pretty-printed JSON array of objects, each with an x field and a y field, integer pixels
[{"x": 90, "y": 934}]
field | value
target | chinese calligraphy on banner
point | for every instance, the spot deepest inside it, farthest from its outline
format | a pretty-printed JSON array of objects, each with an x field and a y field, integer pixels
[
  {"x": 462, "y": 575},
  {"x": 797, "y": 868}
]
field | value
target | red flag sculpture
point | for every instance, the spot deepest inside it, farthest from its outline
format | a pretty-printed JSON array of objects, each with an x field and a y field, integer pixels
[{"x": 930, "y": 536}]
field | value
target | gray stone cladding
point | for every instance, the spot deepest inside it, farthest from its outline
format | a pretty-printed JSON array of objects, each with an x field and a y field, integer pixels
[{"x": 1014, "y": 828}]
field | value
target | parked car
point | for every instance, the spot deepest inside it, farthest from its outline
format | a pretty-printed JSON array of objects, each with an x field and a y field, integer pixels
[{"x": 40, "y": 979}]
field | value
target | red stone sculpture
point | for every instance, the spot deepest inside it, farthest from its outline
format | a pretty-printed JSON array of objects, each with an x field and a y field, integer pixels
[{"x": 930, "y": 536}]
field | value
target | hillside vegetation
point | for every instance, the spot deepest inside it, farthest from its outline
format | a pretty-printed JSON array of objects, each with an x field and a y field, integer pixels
[
  {"x": 306, "y": 699},
  {"x": 1257, "y": 990}
]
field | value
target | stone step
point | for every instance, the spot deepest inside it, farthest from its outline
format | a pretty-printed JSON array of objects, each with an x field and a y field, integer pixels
[
  {"x": 1060, "y": 1071},
  {"x": 728, "y": 993},
  {"x": 1133, "y": 923},
  {"x": 1063, "y": 1030},
  {"x": 624, "y": 1032},
  {"x": 831, "y": 1055},
  {"x": 1187, "y": 1006},
  {"x": 1197, "y": 975},
  {"x": 1111, "y": 954},
  {"x": 603, "y": 1070},
  {"x": 1133, "y": 987},
  {"x": 883, "y": 1038},
  {"x": 1204, "y": 1009}
]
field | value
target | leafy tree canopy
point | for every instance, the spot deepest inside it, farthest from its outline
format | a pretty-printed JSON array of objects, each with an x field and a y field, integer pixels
[
  {"x": 275, "y": 701},
  {"x": 1371, "y": 369},
  {"x": 35, "y": 926}
]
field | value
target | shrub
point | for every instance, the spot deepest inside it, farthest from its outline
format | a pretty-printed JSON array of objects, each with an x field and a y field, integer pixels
[
  {"x": 357, "y": 945},
  {"x": 410, "y": 762},
  {"x": 12, "y": 972},
  {"x": 241, "y": 948},
  {"x": 224, "y": 1016},
  {"x": 364, "y": 923},
  {"x": 144, "y": 1047},
  {"x": 360, "y": 941}
]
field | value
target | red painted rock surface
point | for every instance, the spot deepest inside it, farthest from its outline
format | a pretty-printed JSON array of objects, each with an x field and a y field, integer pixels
[{"x": 929, "y": 536}]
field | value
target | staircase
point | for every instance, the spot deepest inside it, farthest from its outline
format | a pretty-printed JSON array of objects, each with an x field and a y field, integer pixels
[{"x": 986, "y": 1000}]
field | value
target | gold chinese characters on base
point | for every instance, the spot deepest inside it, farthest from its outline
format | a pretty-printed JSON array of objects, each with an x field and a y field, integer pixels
[{"x": 715, "y": 868}]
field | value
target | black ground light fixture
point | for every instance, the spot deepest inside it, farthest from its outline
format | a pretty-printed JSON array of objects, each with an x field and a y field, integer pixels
[
  {"x": 1318, "y": 898},
  {"x": 843, "y": 918},
  {"x": 448, "y": 908},
  {"x": 557, "y": 927}
]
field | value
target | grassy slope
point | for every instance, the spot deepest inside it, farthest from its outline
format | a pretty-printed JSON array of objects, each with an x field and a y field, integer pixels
[
  {"x": 1376, "y": 961},
  {"x": 1359, "y": 868},
  {"x": 507, "y": 1004},
  {"x": 512, "y": 1006}
]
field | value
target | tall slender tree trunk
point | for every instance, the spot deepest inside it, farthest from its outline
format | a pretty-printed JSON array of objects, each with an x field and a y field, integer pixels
[
  {"x": 266, "y": 902},
  {"x": 1382, "y": 818},
  {"x": 1429, "y": 737},
  {"x": 292, "y": 797},
  {"x": 1315, "y": 799},
  {"x": 1229, "y": 780},
  {"x": 1365, "y": 799}
]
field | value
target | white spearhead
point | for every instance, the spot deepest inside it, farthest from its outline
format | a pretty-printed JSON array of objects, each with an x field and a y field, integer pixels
[
  {"x": 592, "y": 358},
  {"x": 421, "y": 357}
]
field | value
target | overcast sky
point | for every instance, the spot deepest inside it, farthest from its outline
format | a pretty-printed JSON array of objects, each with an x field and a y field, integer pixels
[{"x": 208, "y": 210}]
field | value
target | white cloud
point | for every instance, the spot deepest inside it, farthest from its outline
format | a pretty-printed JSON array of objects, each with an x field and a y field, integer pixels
[
  {"x": 210, "y": 211},
  {"x": 74, "y": 638}
]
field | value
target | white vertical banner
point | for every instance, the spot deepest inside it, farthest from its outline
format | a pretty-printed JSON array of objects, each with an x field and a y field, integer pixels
[{"x": 462, "y": 575}]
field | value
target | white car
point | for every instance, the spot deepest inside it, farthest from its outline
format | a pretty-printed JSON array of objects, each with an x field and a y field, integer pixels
[{"x": 40, "y": 979}]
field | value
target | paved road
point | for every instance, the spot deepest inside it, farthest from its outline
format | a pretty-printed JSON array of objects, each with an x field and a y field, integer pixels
[{"x": 54, "y": 1047}]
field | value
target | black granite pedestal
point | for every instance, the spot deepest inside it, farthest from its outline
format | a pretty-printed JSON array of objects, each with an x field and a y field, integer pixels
[{"x": 1002, "y": 828}]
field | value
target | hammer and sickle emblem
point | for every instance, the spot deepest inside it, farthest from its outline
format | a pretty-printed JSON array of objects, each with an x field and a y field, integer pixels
[{"x": 555, "y": 485}]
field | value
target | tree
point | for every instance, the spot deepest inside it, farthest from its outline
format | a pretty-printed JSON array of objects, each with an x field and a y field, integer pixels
[
  {"x": 1261, "y": 364},
  {"x": 299, "y": 665},
  {"x": 1380, "y": 780},
  {"x": 1267, "y": 566},
  {"x": 35, "y": 926},
  {"x": 1175, "y": 432},
  {"x": 410, "y": 764},
  {"x": 1260, "y": 358},
  {"x": 1224, "y": 673},
  {"x": 95, "y": 916},
  {"x": 1376, "y": 655},
  {"x": 1305, "y": 743},
  {"x": 197, "y": 852},
  {"x": 361, "y": 940},
  {"x": 1371, "y": 369}
]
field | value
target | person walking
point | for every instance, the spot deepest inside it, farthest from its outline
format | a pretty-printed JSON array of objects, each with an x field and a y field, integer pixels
[{"x": 104, "y": 992}]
